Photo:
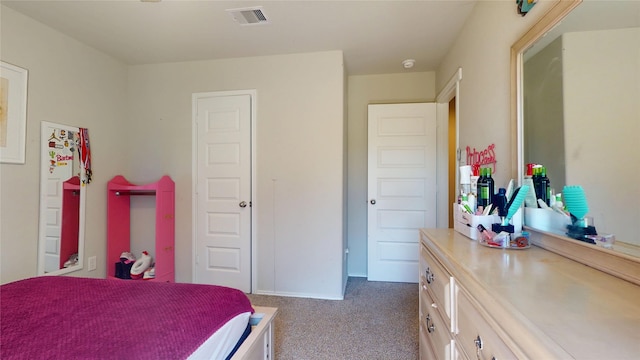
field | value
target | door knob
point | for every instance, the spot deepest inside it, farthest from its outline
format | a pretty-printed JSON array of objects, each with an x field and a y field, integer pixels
[
  {"x": 373, "y": 201},
  {"x": 243, "y": 204}
]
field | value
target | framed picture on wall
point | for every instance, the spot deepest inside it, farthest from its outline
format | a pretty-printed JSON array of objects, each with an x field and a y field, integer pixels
[{"x": 13, "y": 113}]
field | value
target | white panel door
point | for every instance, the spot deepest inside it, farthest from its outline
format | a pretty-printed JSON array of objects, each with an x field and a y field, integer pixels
[
  {"x": 401, "y": 187},
  {"x": 223, "y": 186},
  {"x": 59, "y": 152},
  {"x": 54, "y": 221}
]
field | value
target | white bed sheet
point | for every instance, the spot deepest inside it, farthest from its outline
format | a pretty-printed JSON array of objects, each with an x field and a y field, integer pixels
[{"x": 220, "y": 344}]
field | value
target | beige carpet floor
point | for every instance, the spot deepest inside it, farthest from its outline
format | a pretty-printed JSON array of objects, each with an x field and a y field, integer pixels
[{"x": 376, "y": 320}]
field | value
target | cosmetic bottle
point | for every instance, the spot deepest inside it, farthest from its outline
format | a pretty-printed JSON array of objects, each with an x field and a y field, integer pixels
[
  {"x": 488, "y": 189},
  {"x": 500, "y": 201},
  {"x": 475, "y": 175},
  {"x": 465, "y": 204},
  {"x": 472, "y": 201},
  {"x": 543, "y": 186},
  {"x": 530, "y": 199},
  {"x": 481, "y": 184},
  {"x": 486, "y": 233},
  {"x": 529, "y": 172},
  {"x": 537, "y": 186},
  {"x": 559, "y": 204},
  {"x": 465, "y": 179},
  {"x": 536, "y": 183}
]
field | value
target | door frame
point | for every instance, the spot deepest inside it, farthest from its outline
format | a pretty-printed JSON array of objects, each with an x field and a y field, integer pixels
[
  {"x": 194, "y": 175},
  {"x": 451, "y": 90}
]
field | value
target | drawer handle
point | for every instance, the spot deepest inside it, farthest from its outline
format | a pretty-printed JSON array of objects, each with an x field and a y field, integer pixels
[
  {"x": 430, "y": 276},
  {"x": 431, "y": 327},
  {"x": 478, "y": 342}
]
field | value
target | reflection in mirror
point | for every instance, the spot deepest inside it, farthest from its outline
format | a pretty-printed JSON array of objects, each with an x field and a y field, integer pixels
[
  {"x": 581, "y": 115},
  {"x": 581, "y": 112},
  {"x": 62, "y": 201}
]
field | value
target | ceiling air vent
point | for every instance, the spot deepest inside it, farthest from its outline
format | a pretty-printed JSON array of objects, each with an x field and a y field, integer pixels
[{"x": 249, "y": 16}]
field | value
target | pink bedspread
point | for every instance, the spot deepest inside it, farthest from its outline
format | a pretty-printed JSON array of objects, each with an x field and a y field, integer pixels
[{"x": 60, "y": 317}]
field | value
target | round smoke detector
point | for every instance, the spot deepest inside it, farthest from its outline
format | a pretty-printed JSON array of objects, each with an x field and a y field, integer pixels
[{"x": 408, "y": 64}]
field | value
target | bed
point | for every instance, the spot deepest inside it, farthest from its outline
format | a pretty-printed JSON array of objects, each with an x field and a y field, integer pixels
[{"x": 60, "y": 317}]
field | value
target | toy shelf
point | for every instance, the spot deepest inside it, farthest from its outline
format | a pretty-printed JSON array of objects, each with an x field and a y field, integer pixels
[{"x": 119, "y": 192}]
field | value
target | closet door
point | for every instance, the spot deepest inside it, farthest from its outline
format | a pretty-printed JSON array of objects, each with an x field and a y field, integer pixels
[
  {"x": 402, "y": 187},
  {"x": 223, "y": 190}
]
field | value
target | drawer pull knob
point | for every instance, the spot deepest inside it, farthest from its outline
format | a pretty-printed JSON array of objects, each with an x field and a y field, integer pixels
[
  {"x": 478, "y": 342},
  {"x": 429, "y": 275},
  {"x": 431, "y": 327}
]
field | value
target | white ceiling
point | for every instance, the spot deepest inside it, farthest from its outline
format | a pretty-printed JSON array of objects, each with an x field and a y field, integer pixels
[{"x": 375, "y": 36}]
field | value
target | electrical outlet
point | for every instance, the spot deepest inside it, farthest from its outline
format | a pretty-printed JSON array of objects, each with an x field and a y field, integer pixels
[{"x": 92, "y": 263}]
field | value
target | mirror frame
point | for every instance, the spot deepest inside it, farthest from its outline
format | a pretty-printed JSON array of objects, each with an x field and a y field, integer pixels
[
  {"x": 615, "y": 263},
  {"x": 45, "y": 127}
]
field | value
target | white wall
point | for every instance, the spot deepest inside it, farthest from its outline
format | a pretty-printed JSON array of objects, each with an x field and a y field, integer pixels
[
  {"x": 69, "y": 83},
  {"x": 602, "y": 126},
  {"x": 364, "y": 90},
  {"x": 300, "y": 132},
  {"x": 483, "y": 51}
]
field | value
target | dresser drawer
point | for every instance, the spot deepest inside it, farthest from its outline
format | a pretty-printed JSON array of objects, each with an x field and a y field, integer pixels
[
  {"x": 438, "y": 282},
  {"x": 475, "y": 336},
  {"x": 436, "y": 331},
  {"x": 426, "y": 349}
]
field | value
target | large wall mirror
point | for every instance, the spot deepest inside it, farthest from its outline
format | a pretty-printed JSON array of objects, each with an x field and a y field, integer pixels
[
  {"x": 62, "y": 201},
  {"x": 576, "y": 90}
]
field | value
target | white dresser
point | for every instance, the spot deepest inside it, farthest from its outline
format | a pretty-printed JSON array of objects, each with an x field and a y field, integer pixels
[{"x": 479, "y": 302}]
